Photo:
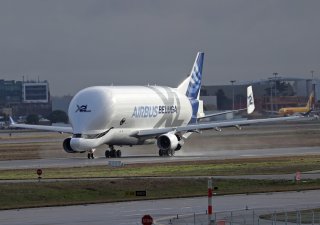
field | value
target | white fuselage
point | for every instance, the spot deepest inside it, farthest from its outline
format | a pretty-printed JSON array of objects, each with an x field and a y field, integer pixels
[{"x": 123, "y": 110}]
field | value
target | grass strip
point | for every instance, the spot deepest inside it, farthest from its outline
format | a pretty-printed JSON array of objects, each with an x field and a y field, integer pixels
[
  {"x": 274, "y": 165},
  {"x": 36, "y": 194}
]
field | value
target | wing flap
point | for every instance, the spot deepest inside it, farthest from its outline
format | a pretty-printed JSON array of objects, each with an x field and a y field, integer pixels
[
  {"x": 221, "y": 113},
  {"x": 152, "y": 132},
  {"x": 212, "y": 125},
  {"x": 232, "y": 123}
]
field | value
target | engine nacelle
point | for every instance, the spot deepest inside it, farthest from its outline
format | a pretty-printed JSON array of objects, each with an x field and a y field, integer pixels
[
  {"x": 169, "y": 141},
  {"x": 67, "y": 146}
]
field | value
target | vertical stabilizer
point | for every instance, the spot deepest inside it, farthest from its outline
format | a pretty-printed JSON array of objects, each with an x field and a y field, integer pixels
[
  {"x": 191, "y": 86},
  {"x": 310, "y": 103},
  {"x": 250, "y": 100}
]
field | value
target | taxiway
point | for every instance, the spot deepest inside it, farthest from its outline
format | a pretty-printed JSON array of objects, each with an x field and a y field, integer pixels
[{"x": 128, "y": 213}]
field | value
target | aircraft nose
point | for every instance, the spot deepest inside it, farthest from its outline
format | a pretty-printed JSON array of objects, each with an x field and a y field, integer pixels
[{"x": 90, "y": 110}]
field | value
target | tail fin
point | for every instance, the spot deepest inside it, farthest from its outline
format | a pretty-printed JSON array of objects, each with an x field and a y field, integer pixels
[
  {"x": 310, "y": 103},
  {"x": 250, "y": 100},
  {"x": 11, "y": 121},
  {"x": 191, "y": 86}
]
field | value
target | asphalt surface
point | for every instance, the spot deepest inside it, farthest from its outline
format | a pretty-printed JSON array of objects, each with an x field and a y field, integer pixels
[
  {"x": 130, "y": 213},
  {"x": 151, "y": 158},
  {"x": 254, "y": 141},
  {"x": 196, "y": 149}
]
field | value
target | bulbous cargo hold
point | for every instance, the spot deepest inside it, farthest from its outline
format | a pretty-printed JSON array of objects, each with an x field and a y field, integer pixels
[{"x": 96, "y": 109}]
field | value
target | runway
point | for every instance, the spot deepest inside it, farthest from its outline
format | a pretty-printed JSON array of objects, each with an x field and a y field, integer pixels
[
  {"x": 128, "y": 213},
  {"x": 44, "y": 150},
  {"x": 151, "y": 158},
  {"x": 252, "y": 142}
]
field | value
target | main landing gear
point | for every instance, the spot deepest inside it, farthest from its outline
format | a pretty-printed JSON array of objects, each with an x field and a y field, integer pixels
[
  {"x": 167, "y": 152},
  {"x": 112, "y": 153}
]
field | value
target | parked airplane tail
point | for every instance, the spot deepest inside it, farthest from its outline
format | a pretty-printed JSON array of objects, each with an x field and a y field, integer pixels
[
  {"x": 310, "y": 103},
  {"x": 191, "y": 86},
  {"x": 250, "y": 100}
]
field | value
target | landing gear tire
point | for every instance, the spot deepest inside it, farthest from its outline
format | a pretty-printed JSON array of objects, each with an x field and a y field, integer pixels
[
  {"x": 163, "y": 153},
  {"x": 90, "y": 156},
  {"x": 166, "y": 152},
  {"x": 112, "y": 153}
]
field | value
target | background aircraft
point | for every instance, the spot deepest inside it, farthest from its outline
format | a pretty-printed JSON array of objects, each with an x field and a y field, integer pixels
[
  {"x": 287, "y": 111},
  {"x": 138, "y": 115}
]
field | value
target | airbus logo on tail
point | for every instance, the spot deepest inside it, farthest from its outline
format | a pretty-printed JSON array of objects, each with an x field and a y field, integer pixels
[{"x": 82, "y": 108}]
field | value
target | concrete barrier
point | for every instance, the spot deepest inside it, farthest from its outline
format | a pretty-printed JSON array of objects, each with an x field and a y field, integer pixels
[{"x": 115, "y": 163}]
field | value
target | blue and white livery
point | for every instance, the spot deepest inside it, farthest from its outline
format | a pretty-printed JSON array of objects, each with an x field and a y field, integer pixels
[{"x": 193, "y": 91}]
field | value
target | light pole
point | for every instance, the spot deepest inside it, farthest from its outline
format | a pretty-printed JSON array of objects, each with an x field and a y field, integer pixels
[
  {"x": 312, "y": 71},
  {"x": 275, "y": 90},
  {"x": 271, "y": 103},
  {"x": 313, "y": 88},
  {"x": 232, "y": 82}
]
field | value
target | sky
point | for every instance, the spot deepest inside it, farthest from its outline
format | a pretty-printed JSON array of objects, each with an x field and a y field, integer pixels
[{"x": 79, "y": 43}]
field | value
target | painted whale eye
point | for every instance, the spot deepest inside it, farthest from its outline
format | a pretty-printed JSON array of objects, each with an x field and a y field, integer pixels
[{"x": 122, "y": 121}]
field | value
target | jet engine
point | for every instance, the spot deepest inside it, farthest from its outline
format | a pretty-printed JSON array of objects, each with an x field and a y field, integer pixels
[
  {"x": 169, "y": 141},
  {"x": 67, "y": 146}
]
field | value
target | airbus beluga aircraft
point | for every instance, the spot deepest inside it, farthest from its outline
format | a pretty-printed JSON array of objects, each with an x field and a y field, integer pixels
[{"x": 138, "y": 115}]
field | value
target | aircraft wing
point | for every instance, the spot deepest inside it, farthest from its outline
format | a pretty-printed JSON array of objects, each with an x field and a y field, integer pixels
[
  {"x": 60, "y": 129},
  {"x": 250, "y": 106},
  {"x": 221, "y": 113},
  {"x": 211, "y": 125}
]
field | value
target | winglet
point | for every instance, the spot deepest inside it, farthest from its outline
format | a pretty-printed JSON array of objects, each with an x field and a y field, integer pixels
[
  {"x": 11, "y": 121},
  {"x": 250, "y": 100}
]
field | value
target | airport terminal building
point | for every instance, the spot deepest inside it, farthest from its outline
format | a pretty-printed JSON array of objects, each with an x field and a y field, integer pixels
[{"x": 23, "y": 98}]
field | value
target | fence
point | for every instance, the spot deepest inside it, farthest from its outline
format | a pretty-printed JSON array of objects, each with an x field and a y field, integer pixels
[{"x": 304, "y": 215}]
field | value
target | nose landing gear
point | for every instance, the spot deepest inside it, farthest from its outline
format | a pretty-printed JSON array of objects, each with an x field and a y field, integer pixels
[{"x": 90, "y": 154}]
